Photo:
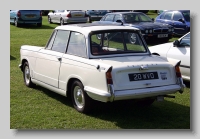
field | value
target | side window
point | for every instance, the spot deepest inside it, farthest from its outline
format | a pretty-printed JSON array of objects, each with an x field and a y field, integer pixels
[
  {"x": 185, "y": 41},
  {"x": 109, "y": 17},
  {"x": 60, "y": 41},
  {"x": 117, "y": 17},
  {"x": 77, "y": 45},
  {"x": 51, "y": 40},
  {"x": 162, "y": 16},
  {"x": 168, "y": 16},
  {"x": 177, "y": 16}
]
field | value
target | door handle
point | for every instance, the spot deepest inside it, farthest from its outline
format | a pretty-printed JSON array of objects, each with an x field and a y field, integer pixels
[{"x": 59, "y": 58}]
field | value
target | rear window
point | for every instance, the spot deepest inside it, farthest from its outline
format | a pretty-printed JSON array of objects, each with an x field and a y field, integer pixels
[{"x": 116, "y": 42}]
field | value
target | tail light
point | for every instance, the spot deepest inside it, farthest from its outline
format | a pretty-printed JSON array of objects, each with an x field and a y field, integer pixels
[
  {"x": 18, "y": 14},
  {"x": 69, "y": 15},
  {"x": 177, "y": 69},
  {"x": 109, "y": 76}
]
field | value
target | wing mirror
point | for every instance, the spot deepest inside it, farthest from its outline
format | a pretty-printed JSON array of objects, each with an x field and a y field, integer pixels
[
  {"x": 119, "y": 21},
  {"x": 176, "y": 43},
  {"x": 181, "y": 20}
]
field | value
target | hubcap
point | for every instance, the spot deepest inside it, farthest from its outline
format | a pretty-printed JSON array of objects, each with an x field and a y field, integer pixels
[
  {"x": 78, "y": 97},
  {"x": 27, "y": 74},
  {"x": 132, "y": 38}
]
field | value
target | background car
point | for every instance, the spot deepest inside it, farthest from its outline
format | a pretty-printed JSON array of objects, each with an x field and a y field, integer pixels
[
  {"x": 19, "y": 17},
  {"x": 160, "y": 11},
  {"x": 179, "y": 49},
  {"x": 94, "y": 15},
  {"x": 67, "y": 16},
  {"x": 179, "y": 19},
  {"x": 149, "y": 29}
]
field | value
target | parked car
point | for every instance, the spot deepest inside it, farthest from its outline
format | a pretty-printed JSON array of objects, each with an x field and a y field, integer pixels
[
  {"x": 106, "y": 70},
  {"x": 19, "y": 17},
  {"x": 94, "y": 15},
  {"x": 179, "y": 19},
  {"x": 149, "y": 29},
  {"x": 45, "y": 12},
  {"x": 67, "y": 16},
  {"x": 179, "y": 49}
]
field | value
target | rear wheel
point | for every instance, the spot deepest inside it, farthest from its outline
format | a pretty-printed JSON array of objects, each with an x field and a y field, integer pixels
[
  {"x": 49, "y": 20},
  {"x": 81, "y": 101},
  {"x": 27, "y": 75},
  {"x": 16, "y": 24},
  {"x": 132, "y": 38},
  {"x": 62, "y": 22}
]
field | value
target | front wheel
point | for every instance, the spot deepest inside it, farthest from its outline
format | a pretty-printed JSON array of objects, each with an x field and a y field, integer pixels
[
  {"x": 49, "y": 20},
  {"x": 81, "y": 101},
  {"x": 16, "y": 23},
  {"x": 27, "y": 75},
  {"x": 62, "y": 22}
]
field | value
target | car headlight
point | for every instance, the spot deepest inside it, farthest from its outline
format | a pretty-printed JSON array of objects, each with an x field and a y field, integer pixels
[
  {"x": 150, "y": 31},
  {"x": 146, "y": 31}
]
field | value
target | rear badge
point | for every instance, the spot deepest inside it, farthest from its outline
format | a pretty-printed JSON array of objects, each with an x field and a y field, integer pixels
[{"x": 163, "y": 75}]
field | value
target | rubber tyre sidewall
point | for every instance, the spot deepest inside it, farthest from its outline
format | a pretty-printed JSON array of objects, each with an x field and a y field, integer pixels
[
  {"x": 87, "y": 104},
  {"x": 30, "y": 84}
]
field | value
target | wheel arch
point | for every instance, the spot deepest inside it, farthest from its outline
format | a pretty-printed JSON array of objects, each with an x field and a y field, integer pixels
[{"x": 69, "y": 84}]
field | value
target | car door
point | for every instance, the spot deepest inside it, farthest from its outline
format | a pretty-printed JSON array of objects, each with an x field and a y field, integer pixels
[
  {"x": 182, "y": 52},
  {"x": 49, "y": 59},
  {"x": 179, "y": 26}
]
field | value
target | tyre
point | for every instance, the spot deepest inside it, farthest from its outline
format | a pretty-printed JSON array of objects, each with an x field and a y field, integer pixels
[
  {"x": 62, "y": 22},
  {"x": 49, "y": 20},
  {"x": 16, "y": 24},
  {"x": 27, "y": 75},
  {"x": 81, "y": 101},
  {"x": 89, "y": 19},
  {"x": 39, "y": 24}
]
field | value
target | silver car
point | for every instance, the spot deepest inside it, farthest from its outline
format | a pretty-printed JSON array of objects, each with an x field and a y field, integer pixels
[{"x": 67, "y": 16}]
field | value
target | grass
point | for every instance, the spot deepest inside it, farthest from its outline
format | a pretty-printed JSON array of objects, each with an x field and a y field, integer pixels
[{"x": 40, "y": 108}]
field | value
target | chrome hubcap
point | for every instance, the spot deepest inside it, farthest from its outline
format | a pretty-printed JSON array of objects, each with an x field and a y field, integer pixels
[
  {"x": 27, "y": 74},
  {"x": 78, "y": 97}
]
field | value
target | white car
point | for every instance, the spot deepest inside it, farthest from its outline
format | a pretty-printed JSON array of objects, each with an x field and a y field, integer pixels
[
  {"x": 67, "y": 16},
  {"x": 75, "y": 63},
  {"x": 179, "y": 49}
]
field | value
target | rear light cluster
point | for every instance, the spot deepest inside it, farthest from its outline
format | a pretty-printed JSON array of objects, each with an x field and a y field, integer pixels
[
  {"x": 69, "y": 15},
  {"x": 40, "y": 13},
  {"x": 177, "y": 69},
  {"x": 18, "y": 14},
  {"x": 109, "y": 76}
]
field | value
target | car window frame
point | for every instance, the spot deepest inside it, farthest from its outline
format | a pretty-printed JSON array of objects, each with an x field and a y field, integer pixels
[{"x": 167, "y": 13}]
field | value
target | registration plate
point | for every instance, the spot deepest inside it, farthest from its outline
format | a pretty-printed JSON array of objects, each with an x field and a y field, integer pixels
[
  {"x": 162, "y": 35},
  {"x": 77, "y": 15},
  {"x": 143, "y": 76}
]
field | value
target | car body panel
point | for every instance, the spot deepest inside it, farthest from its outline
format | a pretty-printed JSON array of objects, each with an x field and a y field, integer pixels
[
  {"x": 76, "y": 16},
  {"x": 26, "y": 16},
  {"x": 135, "y": 72},
  {"x": 181, "y": 53},
  {"x": 143, "y": 22},
  {"x": 171, "y": 17}
]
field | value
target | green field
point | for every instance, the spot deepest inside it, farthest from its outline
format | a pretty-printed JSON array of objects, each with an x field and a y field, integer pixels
[{"x": 40, "y": 108}]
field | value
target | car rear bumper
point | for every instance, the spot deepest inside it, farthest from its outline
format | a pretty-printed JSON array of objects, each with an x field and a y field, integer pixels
[
  {"x": 21, "y": 21},
  {"x": 132, "y": 94}
]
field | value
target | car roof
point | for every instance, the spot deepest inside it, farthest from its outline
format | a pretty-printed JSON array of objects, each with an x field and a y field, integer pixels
[
  {"x": 177, "y": 11},
  {"x": 86, "y": 28}
]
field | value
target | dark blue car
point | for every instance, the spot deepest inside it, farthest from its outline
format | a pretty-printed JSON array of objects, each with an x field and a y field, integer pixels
[
  {"x": 179, "y": 19},
  {"x": 19, "y": 17},
  {"x": 149, "y": 29}
]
